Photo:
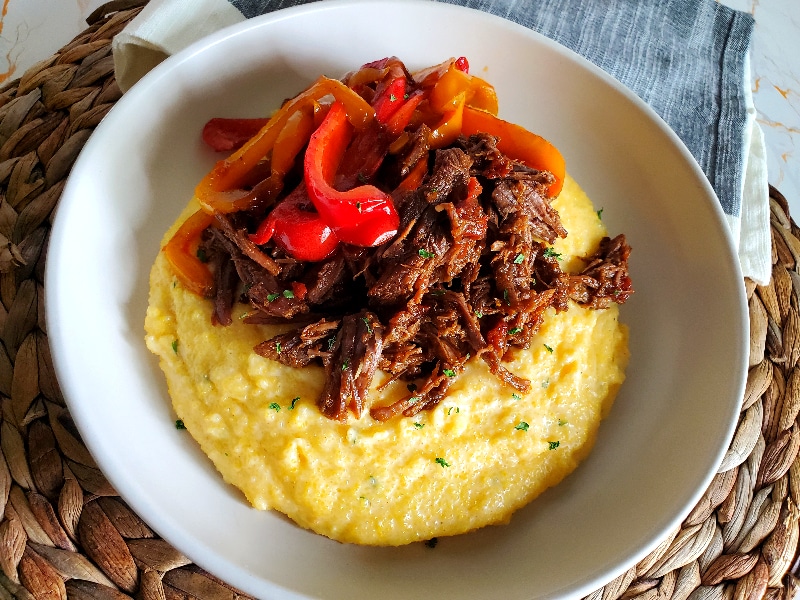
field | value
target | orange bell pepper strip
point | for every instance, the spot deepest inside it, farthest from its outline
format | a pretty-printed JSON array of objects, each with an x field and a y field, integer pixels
[
  {"x": 518, "y": 143},
  {"x": 226, "y": 177},
  {"x": 363, "y": 216},
  {"x": 181, "y": 252},
  {"x": 449, "y": 127},
  {"x": 478, "y": 93}
]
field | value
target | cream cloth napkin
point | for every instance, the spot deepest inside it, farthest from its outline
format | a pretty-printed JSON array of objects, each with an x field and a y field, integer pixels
[{"x": 738, "y": 174}]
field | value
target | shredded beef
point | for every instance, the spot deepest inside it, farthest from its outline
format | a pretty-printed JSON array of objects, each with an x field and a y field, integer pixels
[{"x": 469, "y": 275}]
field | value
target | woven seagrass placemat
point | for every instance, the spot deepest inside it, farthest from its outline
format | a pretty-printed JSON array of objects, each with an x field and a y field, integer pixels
[{"x": 64, "y": 532}]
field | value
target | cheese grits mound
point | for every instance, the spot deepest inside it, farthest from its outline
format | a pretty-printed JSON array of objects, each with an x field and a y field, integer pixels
[{"x": 482, "y": 453}]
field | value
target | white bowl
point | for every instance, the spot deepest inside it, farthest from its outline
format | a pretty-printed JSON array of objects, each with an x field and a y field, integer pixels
[{"x": 655, "y": 454}]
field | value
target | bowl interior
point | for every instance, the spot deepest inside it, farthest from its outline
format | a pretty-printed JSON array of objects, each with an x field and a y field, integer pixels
[{"x": 656, "y": 452}]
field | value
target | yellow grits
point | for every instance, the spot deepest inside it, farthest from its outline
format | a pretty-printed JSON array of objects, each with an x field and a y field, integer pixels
[{"x": 483, "y": 453}]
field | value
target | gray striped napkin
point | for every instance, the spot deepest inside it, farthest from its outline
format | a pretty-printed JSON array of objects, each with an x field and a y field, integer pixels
[{"x": 688, "y": 59}]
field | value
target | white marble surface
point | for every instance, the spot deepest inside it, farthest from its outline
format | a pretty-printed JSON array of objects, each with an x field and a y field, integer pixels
[{"x": 31, "y": 30}]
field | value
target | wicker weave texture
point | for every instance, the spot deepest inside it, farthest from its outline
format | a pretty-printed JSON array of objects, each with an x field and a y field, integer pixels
[{"x": 64, "y": 532}]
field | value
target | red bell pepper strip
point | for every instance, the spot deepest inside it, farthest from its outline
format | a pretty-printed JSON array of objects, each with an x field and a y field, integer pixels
[
  {"x": 224, "y": 135},
  {"x": 362, "y": 216},
  {"x": 402, "y": 116},
  {"x": 390, "y": 99},
  {"x": 181, "y": 252},
  {"x": 519, "y": 143},
  {"x": 298, "y": 229}
]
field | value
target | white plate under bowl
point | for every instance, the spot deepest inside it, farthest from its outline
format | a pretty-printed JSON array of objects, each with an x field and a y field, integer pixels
[{"x": 656, "y": 452}]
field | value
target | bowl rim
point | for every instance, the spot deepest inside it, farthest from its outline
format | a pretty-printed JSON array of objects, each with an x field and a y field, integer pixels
[{"x": 241, "y": 577}]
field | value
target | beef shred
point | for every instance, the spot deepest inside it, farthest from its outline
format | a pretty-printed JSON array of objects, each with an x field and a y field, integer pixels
[{"x": 469, "y": 275}]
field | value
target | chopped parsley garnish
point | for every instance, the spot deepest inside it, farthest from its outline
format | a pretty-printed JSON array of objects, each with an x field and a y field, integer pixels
[
  {"x": 419, "y": 425},
  {"x": 179, "y": 424},
  {"x": 175, "y": 346},
  {"x": 294, "y": 402},
  {"x": 275, "y": 406},
  {"x": 548, "y": 348},
  {"x": 272, "y": 297},
  {"x": 425, "y": 254},
  {"x": 366, "y": 322},
  {"x": 514, "y": 330},
  {"x": 450, "y": 410},
  {"x": 392, "y": 98},
  {"x": 516, "y": 396},
  {"x": 562, "y": 422},
  {"x": 331, "y": 342},
  {"x": 553, "y": 445},
  {"x": 478, "y": 314},
  {"x": 288, "y": 294},
  {"x": 345, "y": 365},
  {"x": 600, "y": 214},
  {"x": 550, "y": 253},
  {"x": 414, "y": 399},
  {"x": 278, "y": 347},
  {"x": 505, "y": 297},
  {"x": 521, "y": 426},
  {"x": 449, "y": 372},
  {"x": 519, "y": 258},
  {"x": 442, "y": 462}
]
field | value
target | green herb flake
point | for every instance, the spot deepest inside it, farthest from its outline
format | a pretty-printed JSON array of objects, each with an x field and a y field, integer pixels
[
  {"x": 516, "y": 396},
  {"x": 478, "y": 314},
  {"x": 278, "y": 347},
  {"x": 548, "y": 348},
  {"x": 414, "y": 399},
  {"x": 600, "y": 214},
  {"x": 431, "y": 543},
  {"x": 450, "y": 410},
  {"x": 288, "y": 294},
  {"x": 553, "y": 445},
  {"x": 275, "y": 406},
  {"x": 392, "y": 98},
  {"x": 521, "y": 426},
  {"x": 514, "y": 330},
  {"x": 179, "y": 424},
  {"x": 550, "y": 253},
  {"x": 562, "y": 422},
  {"x": 175, "y": 346},
  {"x": 331, "y": 342},
  {"x": 442, "y": 462},
  {"x": 546, "y": 383},
  {"x": 519, "y": 259},
  {"x": 419, "y": 425},
  {"x": 272, "y": 297},
  {"x": 201, "y": 255},
  {"x": 345, "y": 365},
  {"x": 425, "y": 254},
  {"x": 366, "y": 322},
  {"x": 294, "y": 402},
  {"x": 449, "y": 372}
]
